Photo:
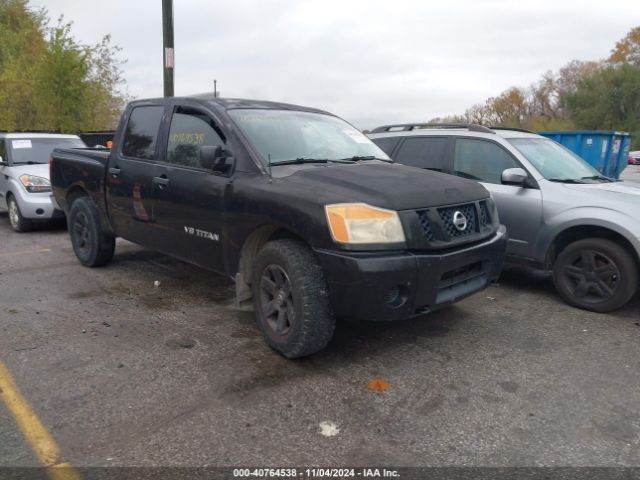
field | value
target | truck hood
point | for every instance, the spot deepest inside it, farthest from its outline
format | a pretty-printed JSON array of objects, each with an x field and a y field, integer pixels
[
  {"x": 387, "y": 185},
  {"x": 39, "y": 170}
]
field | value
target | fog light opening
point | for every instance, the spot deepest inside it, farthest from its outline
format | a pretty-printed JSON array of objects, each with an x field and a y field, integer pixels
[
  {"x": 396, "y": 296},
  {"x": 40, "y": 211}
]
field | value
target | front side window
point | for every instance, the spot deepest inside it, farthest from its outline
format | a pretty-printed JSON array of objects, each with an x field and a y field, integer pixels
[
  {"x": 289, "y": 135},
  {"x": 423, "y": 152},
  {"x": 27, "y": 151},
  {"x": 553, "y": 161},
  {"x": 481, "y": 160},
  {"x": 189, "y": 131},
  {"x": 141, "y": 133}
]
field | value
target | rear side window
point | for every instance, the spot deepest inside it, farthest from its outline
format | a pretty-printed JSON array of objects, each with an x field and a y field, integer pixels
[
  {"x": 141, "y": 133},
  {"x": 423, "y": 152},
  {"x": 386, "y": 144}
]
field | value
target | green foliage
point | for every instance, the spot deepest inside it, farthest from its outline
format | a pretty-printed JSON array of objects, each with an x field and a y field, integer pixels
[
  {"x": 48, "y": 80},
  {"x": 608, "y": 99}
]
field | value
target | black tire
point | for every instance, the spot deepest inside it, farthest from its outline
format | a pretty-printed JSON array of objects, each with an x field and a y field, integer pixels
[
  {"x": 91, "y": 245},
  {"x": 16, "y": 220},
  {"x": 291, "y": 299},
  {"x": 596, "y": 274}
]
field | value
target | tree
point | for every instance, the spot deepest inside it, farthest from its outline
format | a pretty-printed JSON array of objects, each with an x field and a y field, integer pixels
[
  {"x": 21, "y": 43},
  {"x": 608, "y": 99},
  {"x": 50, "y": 81},
  {"x": 509, "y": 109},
  {"x": 627, "y": 50}
]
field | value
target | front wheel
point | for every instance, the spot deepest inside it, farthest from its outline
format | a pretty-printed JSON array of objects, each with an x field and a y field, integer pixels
[
  {"x": 91, "y": 245},
  {"x": 596, "y": 274},
  {"x": 17, "y": 221},
  {"x": 291, "y": 299}
]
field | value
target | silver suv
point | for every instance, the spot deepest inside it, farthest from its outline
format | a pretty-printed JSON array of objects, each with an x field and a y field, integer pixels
[
  {"x": 25, "y": 191},
  {"x": 562, "y": 215}
]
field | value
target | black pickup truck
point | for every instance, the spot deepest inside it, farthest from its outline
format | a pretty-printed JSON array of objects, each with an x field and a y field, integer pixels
[{"x": 307, "y": 215}]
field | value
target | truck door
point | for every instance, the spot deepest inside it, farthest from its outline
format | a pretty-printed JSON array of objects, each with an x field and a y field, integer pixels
[
  {"x": 519, "y": 208},
  {"x": 189, "y": 199},
  {"x": 129, "y": 175}
]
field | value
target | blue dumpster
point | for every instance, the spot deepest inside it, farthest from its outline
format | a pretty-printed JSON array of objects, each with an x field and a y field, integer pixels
[{"x": 605, "y": 150}]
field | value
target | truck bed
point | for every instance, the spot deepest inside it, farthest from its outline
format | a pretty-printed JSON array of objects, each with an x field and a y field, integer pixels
[{"x": 78, "y": 168}]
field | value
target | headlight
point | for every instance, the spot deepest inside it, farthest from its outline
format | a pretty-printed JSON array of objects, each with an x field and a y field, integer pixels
[
  {"x": 359, "y": 223},
  {"x": 35, "y": 184}
]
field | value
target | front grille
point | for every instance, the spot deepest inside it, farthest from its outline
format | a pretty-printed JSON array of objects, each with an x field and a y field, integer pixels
[
  {"x": 447, "y": 215},
  {"x": 426, "y": 225},
  {"x": 485, "y": 216},
  {"x": 438, "y": 225}
]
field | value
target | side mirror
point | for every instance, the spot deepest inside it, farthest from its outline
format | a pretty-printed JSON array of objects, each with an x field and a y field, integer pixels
[
  {"x": 216, "y": 158},
  {"x": 514, "y": 176}
]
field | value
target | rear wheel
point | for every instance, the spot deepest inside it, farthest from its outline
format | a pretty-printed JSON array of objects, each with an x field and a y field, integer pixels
[
  {"x": 17, "y": 221},
  {"x": 596, "y": 274},
  {"x": 291, "y": 300},
  {"x": 91, "y": 245}
]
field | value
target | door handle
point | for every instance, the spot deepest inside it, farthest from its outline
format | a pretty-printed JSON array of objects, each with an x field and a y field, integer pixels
[
  {"x": 114, "y": 171},
  {"x": 161, "y": 182}
]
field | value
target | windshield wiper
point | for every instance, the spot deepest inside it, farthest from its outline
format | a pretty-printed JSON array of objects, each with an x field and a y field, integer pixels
[
  {"x": 300, "y": 160},
  {"x": 598, "y": 177},
  {"x": 360, "y": 158},
  {"x": 30, "y": 162},
  {"x": 566, "y": 180}
]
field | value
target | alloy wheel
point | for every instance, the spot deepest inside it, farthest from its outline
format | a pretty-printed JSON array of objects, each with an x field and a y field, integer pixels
[
  {"x": 591, "y": 276},
  {"x": 276, "y": 299},
  {"x": 14, "y": 215},
  {"x": 82, "y": 233}
]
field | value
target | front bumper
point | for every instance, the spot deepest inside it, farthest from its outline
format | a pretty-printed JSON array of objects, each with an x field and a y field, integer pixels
[
  {"x": 396, "y": 286},
  {"x": 37, "y": 206}
]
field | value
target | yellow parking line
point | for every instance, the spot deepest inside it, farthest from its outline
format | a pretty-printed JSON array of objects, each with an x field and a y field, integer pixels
[
  {"x": 25, "y": 252},
  {"x": 41, "y": 442}
]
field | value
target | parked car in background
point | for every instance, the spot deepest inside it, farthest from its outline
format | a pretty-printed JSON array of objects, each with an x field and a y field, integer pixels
[
  {"x": 561, "y": 214},
  {"x": 304, "y": 212},
  {"x": 634, "y": 158},
  {"x": 25, "y": 191}
]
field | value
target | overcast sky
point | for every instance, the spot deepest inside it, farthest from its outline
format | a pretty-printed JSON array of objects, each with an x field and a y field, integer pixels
[{"x": 371, "y": 62}]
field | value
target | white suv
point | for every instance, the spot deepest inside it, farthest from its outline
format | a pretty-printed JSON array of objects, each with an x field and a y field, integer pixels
[{"x": 25, "y": 190}]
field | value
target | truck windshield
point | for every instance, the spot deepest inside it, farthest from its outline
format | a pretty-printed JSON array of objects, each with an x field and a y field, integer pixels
[
  {"x": 555, "y": 162},
  {"x": 37, "y": 150},
  {"x": 287, "y": 136}
]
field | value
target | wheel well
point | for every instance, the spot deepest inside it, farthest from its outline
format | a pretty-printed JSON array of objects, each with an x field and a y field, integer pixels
[
  {"x": 250, "y": 250},
  {"x": 582, "y": 232},
  {"x": 75, "y": 193}
]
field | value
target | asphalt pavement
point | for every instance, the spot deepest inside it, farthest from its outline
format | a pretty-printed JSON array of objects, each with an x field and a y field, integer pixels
[
  {"x": 631, "y": 174},
  {"x": 146, "y": 362}
]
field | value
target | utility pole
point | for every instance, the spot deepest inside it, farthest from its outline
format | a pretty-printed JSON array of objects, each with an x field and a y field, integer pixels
[
  {"x": 167, "y": 42},
  {"x": 215, "y": 89}
]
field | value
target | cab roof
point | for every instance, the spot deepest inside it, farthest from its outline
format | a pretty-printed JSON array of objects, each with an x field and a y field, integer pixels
[{"x": 234, "y": 103}]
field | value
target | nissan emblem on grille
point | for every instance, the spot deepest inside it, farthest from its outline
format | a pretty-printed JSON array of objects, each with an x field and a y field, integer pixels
[{"x": 459, "y": 220}]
